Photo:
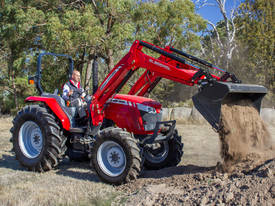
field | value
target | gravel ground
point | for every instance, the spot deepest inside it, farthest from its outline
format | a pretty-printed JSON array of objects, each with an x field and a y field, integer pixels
[{"x": 191, "y": 185}]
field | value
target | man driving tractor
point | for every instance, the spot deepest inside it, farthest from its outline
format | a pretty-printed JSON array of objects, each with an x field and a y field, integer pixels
[
  {"x": 72, "y": 89},
  {"x": 73, "y": 93}
]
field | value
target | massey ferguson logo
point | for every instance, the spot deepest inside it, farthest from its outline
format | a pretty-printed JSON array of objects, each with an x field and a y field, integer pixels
[
  {"x": 111, "y": 76},
  {"x": 159, "y": 64}
]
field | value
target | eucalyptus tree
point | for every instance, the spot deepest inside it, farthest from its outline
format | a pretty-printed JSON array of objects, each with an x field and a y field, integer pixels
[
  {"x": 220, "y": 40},
  {"x": 257, "y": 26},
  {"x": 173, "y": 23}
]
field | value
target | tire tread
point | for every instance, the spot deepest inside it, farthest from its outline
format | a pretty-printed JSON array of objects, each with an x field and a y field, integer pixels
[
  {"x": 54, "y": 147},
  {"x": 130, "y": 144}
]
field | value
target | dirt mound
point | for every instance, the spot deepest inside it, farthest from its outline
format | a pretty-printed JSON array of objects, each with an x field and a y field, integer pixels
[
  {"x": 247, "y": 176},
  {"x": 255, "y": 186},
  {"x": 244, "y": 133}
]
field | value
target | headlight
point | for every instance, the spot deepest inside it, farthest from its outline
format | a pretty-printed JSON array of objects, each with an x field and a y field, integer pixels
[{"x": 146, "y": 108}]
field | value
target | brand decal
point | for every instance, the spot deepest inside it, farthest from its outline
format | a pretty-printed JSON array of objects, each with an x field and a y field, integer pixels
[
  {"x": 159, "y": 64},
  {"x": 141, "y": 107},
  {"x": 110, "y": 77}
]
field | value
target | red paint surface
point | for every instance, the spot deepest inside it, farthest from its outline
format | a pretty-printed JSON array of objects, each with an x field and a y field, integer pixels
[{"x": 54, "y": 106}]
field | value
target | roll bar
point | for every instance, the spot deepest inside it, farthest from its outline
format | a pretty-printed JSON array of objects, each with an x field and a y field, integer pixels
[{"x": 37, "y": 77}]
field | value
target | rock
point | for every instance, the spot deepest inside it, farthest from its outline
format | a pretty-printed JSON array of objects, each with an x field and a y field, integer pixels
[
  {"x": 268, "y": 173},
  {"x": 196, "y": 116},
  {"x": 244, "y": 187},
  {"x": 204, "y": 200},
  {"x": 198, "y": 177},
  {"x": 214, "y": 174},
  {"x": 228, "y": 196},
  {"x": 237, "y": 183},
  {"x": 218, "y": 182},
  {"x": 166, "y": 112},
  {"x": 225, "y": 176},
  {"x": 219, "y": 203},
  {"x": 268, "y": 115},
  {"x": 265, "y": 173},
  {"x": 187, "y": 187},
  {"x": 272, "y": 191},
  {"x": 180, "y": 113}
]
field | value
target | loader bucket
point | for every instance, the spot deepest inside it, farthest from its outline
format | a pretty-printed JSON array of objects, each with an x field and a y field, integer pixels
[{"x": 208, "y": 101}]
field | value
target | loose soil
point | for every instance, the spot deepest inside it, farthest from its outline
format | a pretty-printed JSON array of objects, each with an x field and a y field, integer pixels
[{"x": 243, "y": 133}]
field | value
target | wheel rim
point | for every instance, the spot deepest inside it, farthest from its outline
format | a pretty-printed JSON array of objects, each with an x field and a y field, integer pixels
[
  {"x": 111, "y": 158},
  {"x": 157, "y": 154},
  {"x": 30, "y": 139}
]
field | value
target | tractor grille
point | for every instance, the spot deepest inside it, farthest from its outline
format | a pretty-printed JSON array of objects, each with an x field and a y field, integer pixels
[{"x": 150, "y": 120}]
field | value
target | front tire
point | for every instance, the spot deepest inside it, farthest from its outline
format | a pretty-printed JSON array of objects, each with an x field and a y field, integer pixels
[
  {"x": 37, "y": 140},
  {"x": 116, "y": 156},
  {"x": 165, "y": 154}
]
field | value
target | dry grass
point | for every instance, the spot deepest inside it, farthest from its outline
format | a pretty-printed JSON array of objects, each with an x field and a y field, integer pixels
[{"x": 70, "y": 184}]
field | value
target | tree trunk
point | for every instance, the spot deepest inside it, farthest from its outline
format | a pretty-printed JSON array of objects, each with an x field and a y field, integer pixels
[
  {"x": 81, "y": 62},
  {"x": 95, "y": 75},
  {"x": 12, "y": 75},
  {"x": 88, "y": 74},
  {"x": 14, "y": 90},
  {"x": 110, "y": 59}
]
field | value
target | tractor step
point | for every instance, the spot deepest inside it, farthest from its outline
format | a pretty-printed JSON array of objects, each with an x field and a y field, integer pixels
[{"x": 80, "y": 130}]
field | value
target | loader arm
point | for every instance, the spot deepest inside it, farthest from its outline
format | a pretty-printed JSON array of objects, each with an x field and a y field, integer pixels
[
  {"x": 148, "y": 80},
  {"x": 145, "y": 84},
  {"x": 214, "y": 90},
  {"x": 166, "y": 66}
]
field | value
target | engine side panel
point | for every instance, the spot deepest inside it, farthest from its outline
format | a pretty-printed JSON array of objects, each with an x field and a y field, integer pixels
[
  {"x": 124, "y": 111},
  {"x": 125, "y": 116}
]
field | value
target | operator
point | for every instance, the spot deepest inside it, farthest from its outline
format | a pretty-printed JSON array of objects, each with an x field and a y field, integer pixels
[
  {"x": 74, "y": 94},
  {"x": 72, "y": 89}
]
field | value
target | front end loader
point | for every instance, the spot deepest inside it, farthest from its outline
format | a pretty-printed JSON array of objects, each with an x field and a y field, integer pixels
[
  {"x": 122, "y": 133},
  {"x": 213, "y": 91}
]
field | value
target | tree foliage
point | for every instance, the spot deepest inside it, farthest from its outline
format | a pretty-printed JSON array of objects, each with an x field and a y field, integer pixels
[
  {"x": 173, "y": 23},
  {"x": 84, "y": 29},
  {"x": 167, "y": 22},
  {"x": 105, "y": 29},
  {"x": 256, "y": 34}
]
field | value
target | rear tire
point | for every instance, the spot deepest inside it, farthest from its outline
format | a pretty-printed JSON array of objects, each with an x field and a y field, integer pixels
[
  {"x": 37, "y": 139},
  {"x": 116, "y": 156},
  {"x": 167, "y": 154}
]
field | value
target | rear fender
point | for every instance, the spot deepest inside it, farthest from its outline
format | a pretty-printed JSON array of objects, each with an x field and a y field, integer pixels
[{"x": 55, "y": 107}]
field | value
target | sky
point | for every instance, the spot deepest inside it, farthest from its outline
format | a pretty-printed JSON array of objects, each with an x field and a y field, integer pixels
[{"x": 213, "y": 14}]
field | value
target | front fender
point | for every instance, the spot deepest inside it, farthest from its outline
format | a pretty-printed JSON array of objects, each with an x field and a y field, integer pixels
[{"x": 55, "y": 107}]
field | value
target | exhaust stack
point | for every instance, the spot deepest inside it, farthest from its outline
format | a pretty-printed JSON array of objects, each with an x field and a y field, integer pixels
[{"x": 95, "y": 75}]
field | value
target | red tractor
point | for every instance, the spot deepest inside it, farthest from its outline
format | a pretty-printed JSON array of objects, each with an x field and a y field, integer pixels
[{"x": 122, "y": 133}]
